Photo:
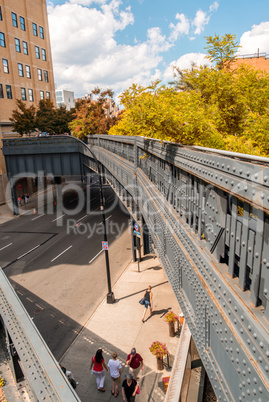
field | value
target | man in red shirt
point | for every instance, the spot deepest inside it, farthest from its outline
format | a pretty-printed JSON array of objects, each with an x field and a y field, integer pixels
[{"x": 135, "y": 361}]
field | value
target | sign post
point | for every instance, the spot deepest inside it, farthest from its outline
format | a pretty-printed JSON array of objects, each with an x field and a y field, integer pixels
[{"x": 137, "y": 236}]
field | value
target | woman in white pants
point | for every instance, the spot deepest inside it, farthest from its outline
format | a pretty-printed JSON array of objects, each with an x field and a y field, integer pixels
[{"x": 98, "y": 367}]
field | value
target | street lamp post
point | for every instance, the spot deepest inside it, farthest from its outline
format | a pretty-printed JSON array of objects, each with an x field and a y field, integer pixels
[{"x": 110, "y": 295}]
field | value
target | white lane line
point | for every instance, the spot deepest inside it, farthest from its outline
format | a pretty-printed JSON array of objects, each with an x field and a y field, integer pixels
[
  {"x": 61, "y": 253},
  {"x": 28, "y": 251},
  {"x": 105, "y": 219},
  {"x": 82, "y": 218},
  {"x": 6, "y": 246},
  {"x": 95, "y": 256},
  {"x": 37, "y": 217},
  {"x": 58, "y": 218}
]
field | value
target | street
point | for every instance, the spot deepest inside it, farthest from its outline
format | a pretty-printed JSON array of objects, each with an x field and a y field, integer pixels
[{"x": 56, "y": 264}]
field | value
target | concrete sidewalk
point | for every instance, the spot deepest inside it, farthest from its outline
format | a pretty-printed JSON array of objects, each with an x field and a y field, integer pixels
[{"x": 118, "y": 327}]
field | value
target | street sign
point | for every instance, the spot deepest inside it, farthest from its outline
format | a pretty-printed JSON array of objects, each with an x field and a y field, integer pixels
[
  {"x": 136, "y": 226},
  {"x": 104, "y": 245},
  {"x": 20, "y": 186}
]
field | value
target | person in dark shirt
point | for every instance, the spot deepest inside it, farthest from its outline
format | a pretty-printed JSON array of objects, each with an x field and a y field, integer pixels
[
  {"x": 148, "y": 302},
  {"x": 129, "y": 388}
]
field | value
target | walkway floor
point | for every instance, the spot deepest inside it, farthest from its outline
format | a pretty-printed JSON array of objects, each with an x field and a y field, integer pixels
[{"x": 118, "y": 327}]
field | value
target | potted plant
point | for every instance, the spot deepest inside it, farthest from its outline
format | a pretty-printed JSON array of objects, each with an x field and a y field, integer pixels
[
  {"x": 159, "y": 350},
  {"x": 171, "y": 318}
]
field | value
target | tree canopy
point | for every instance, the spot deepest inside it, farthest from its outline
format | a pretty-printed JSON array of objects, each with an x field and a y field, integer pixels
[
  {"x": 23, "y": 118},
  {"x": 93, "y": 116},
  {"x": 218, "y": 107},
  {"x": 221, "y": 50},
  {"x": 44, "y": 118}
]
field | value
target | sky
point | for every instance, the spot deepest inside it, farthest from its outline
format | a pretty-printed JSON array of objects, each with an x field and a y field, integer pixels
[{"x": 115, "y": 43}]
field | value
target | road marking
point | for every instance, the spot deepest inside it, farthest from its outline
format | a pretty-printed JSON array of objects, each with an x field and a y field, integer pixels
[
  {"x": 58, "y": 218},
  {"x": 39, "y": 216},
  {"x": 82, "y": 218},
  {"x": 28, "y": 251},
  {"x": 96, "y": 256},
  {"x": 105, "y": 219},
  {"x": 6, "y": 246},
  {"x": 61, "y": 253}
]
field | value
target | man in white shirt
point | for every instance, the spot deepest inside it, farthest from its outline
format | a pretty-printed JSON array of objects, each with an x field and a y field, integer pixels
[{"x": 115, "y": 372}]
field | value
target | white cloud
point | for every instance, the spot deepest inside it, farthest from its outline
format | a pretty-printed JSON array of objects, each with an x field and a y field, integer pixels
[
  {"x": 201, "y": 19},
  {"x": 86, "y": 54},
  {"x": 87, "y": 2},
  {"x": 214, "y": 6},
  {"x": 156, "y": 41},
  {"x": 182, "y": 27},
  {"x": 185, "y": 62},
  {"x": 256, "y": 38}
]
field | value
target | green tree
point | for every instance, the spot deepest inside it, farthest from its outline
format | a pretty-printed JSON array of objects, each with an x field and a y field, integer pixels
[
  {"x": 62, "y": 119},
  {"x": 46, "y": 116},
  {"x": 221, "y": 50},
  {"x": 23, "y": 118}
]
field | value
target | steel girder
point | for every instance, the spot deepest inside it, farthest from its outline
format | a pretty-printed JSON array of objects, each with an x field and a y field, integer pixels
[{"x": 207, "y": 213}]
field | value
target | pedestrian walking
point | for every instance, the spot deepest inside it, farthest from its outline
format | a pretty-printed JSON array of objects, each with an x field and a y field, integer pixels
[
  {"x": 148, "y": 302},
  {"x": 69, "y": 375},
  {"x": 19, "y": 201},
  {"x": 129, "y": 388},
  {"x": 26, "y": 198},
  {"x": 115, "y": 372},
  {"x": 135, "y": 362},
  {"x": 98, "y": 366}
]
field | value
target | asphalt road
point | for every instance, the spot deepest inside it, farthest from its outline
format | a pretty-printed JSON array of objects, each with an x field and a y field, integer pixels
[{"x": 55, "y": 262}]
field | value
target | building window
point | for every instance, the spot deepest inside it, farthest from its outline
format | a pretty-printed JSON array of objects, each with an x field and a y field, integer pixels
[
  {"x": 41, "y": 95},
  {"x": 46, "y": 76},
  {"x": 39, "y": 74},
  {"x": 1, "y": 18},
  {"x": 23, "y": 94},
  {"x": 1, "y": 91},
  {"x": 14, "y": 20},
  {"x": 5, "y": 66},
  {"x": 30, "y": 94},
  {"x": 48, "y": 95},
  {"x": 25, "y": 47},
  {"x": 43, "y": 51},
  {"x": 2, "y": 39},
  {"x": 22, "y": 21},
  {"x": 17, "y": 45},
  {"x": 28, "y": 71},
  {"x": 20, "y": 68},
  {"x": 34, "y": 29},
  {"x": 37, "y": 52},
  {"x": 9, "y": 92},
  {"x": 41, "y": 32}
]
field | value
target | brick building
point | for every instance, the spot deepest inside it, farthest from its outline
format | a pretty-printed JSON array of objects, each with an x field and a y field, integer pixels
[
  {"x": 260, "y": 61},
  {"x": 26, "y": 65},
  {"x": 26, "y": 70}
]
